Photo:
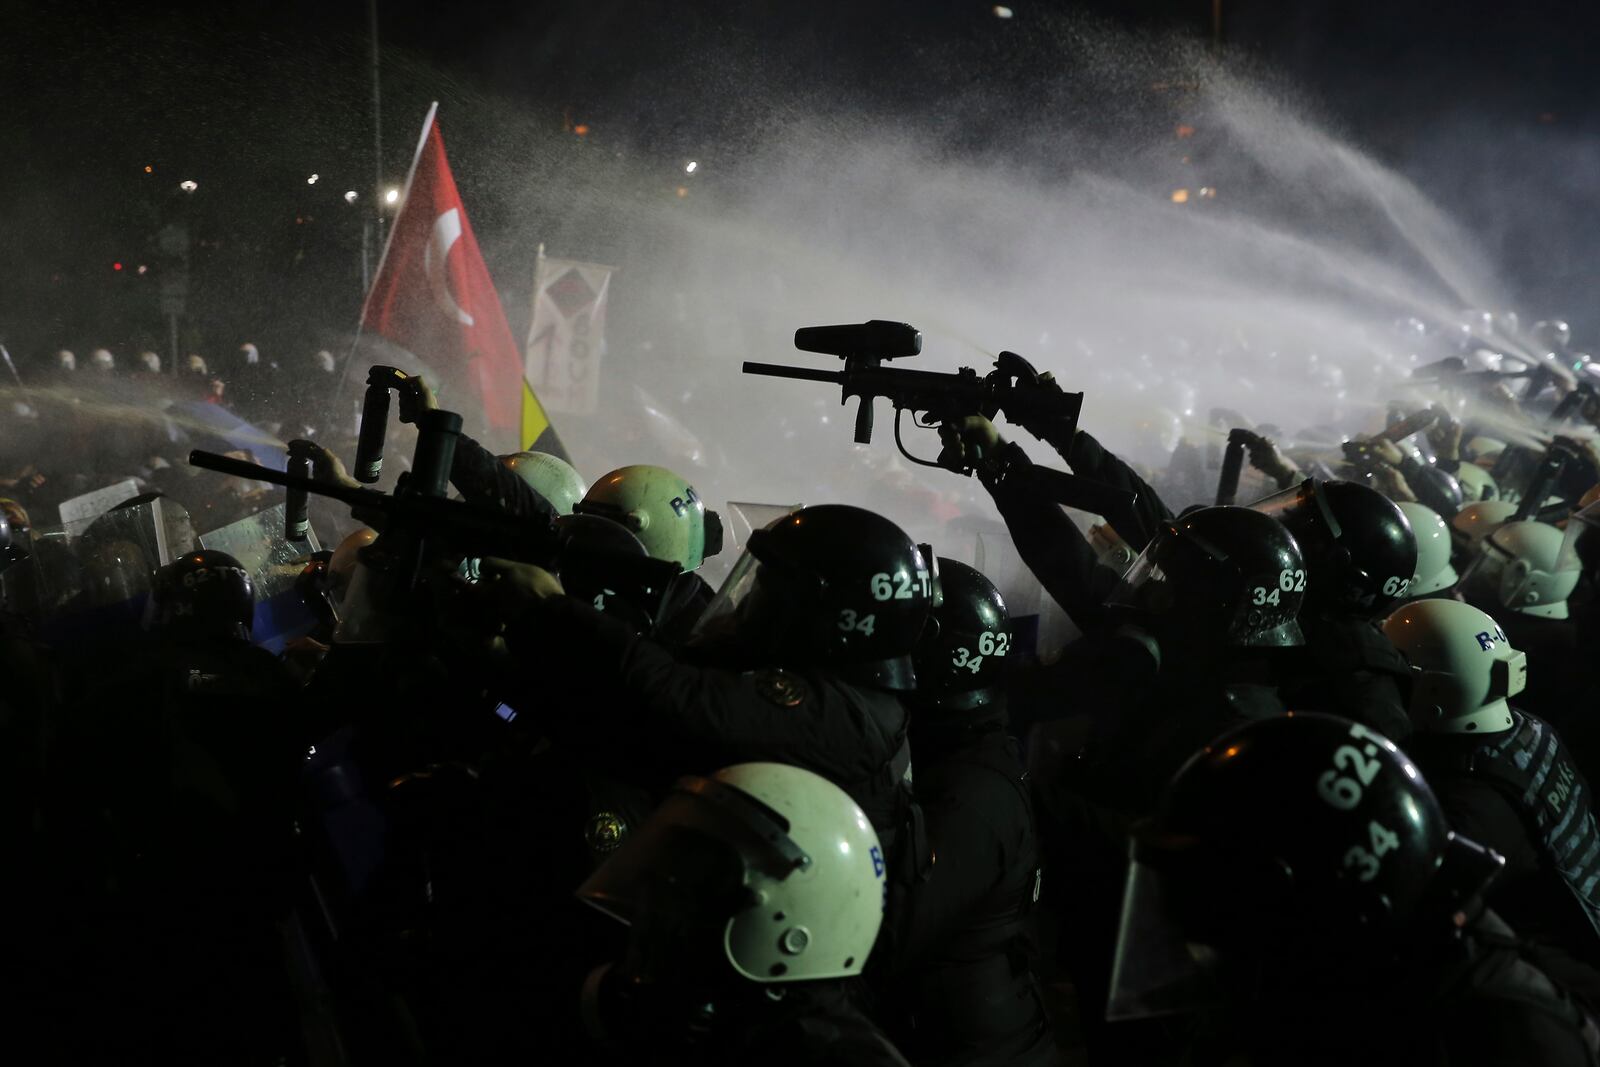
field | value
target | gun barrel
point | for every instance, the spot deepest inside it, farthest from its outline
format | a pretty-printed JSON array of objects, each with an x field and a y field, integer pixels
[{"x": 804, "y": 374}]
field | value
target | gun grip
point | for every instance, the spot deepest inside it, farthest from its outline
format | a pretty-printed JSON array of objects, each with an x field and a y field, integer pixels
[{"x": 864, "y": 421}]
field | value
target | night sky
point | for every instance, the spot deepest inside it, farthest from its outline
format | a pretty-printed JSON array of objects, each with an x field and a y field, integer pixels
[{"x": 1494, "y": 109}]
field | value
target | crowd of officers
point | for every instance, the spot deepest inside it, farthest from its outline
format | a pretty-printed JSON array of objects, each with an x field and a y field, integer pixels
[{"x": 1310, "y": 787}]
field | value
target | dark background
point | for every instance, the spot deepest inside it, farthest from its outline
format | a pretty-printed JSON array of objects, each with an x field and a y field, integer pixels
[{"x": 1492, "y": 108}]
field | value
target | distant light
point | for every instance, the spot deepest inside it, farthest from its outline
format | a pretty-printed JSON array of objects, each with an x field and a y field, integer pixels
[
  {"x": 683, "y": 191},
  {"x": 188, "y": 186},
  {"x": 116, "y": 266},
  {"x": 1184, "y": 131},
  {"x": 1547, "y": 117},
  {"x": 581, "y": 129},
  {"x": 313, "y": 179},
  {"x": 148, "y": 169},
  {"x": 1002, "y": 12},
  {"x": 1180, "y": 196},
  {"x": 391, "y": 196},
  {"x": 350, "y": 196},
  {"x": 691, "y": 167},
  {"x": 143, "y": 268},
  {"x": 1209, "y": 192}
]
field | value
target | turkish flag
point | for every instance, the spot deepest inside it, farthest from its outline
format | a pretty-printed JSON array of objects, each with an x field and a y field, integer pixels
[{"x": 433, "y": 295}]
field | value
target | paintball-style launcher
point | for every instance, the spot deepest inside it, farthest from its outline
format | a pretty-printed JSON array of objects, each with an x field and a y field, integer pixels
[
  {"x": 933, "y": 397},
  {"x": 936, "y": 397}
]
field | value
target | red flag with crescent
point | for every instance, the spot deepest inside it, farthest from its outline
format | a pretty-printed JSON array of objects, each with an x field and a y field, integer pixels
[{"x": 433, "y": 296}]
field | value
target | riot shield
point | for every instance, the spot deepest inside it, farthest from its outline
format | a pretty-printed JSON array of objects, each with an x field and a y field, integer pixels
[
  {"x": 740, "y": 518},
  {"x": 273, "y": 564}
]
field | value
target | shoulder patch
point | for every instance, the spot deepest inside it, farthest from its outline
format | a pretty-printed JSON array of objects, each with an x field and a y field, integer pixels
[{"x": 779, "y": 687}]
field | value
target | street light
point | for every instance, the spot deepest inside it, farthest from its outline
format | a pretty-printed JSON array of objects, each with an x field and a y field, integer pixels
[
  {"x": 188, "y": 186},
  {"x": 392, "y": 196},
  {"x": 691, "y": 167},
  {"x": 313, "y": 179}
]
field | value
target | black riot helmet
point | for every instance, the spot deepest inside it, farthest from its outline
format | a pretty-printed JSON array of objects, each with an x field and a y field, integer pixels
[
  {"x": 961, "y": 659},
  {"x": 1293, "y": 851},
  {"x": 828, "y": 585},
  {"x": 1359, "y": 548},
  {"x": 203, "y": 594},
  {"x": 1437, "y": 489},
  {"x": 1220, "y": 576}
]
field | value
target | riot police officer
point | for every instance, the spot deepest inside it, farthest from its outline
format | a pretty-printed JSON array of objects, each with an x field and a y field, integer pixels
[
  {"x": 963, "y": 940},
  {"x": 1503, "y": 776},
  {"x": 801, "y": 657},
  {"x": 1360, "y": 558},
  {"x": 752, "y": 899},
  {"x": 1299, "y": 881}
]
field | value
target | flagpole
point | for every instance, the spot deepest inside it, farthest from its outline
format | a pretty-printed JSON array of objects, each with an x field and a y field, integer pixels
[{"x": 405, "y": 197}]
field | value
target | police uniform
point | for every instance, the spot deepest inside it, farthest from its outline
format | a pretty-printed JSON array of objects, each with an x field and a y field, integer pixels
[
  {"x": 666, "y": 716},
  {"x": 967, "y": 940},
  {"x": 1348, "y": 667},
  {"x": 482, "y": 478},
  {"x": 1520, "y": 793}
]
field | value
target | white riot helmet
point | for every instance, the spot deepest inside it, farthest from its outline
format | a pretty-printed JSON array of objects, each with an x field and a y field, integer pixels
[
  {"x": 197, "y": 365},
  {"x": 1484, "y": 449},
  {"x": 1463, "y": 667},
  {"x": 324, "y": 361},
  {"x": 550, "y": 476},
  {"x": 1434, "y": 571},
  {"x": 66, "y": 361},
  {"x": 1476, "y": 483},
  {"x": 251, "y": 354},
  {"x": 659, "y": 508},
  {"x": 150, "y": 361},
  {"x": 1525, "y": 567},
  {"x": 1474, "y": 522},
  {"x": 103, "y": 360},
  {"x": 778, "y": 861}
]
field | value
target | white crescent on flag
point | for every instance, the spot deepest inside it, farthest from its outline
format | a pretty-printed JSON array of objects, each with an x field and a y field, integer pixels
[{"x": 446, "y": 232}]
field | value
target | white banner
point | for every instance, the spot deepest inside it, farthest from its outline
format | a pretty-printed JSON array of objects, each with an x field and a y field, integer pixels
[{"x": 567, "y": 335}]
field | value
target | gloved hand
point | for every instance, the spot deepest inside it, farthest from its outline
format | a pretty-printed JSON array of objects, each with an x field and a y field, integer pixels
[
  {"x": 416, "y": 397},
  {"x": 1391, "y": 483},
  {"x": 1265, "y": 457},
  {"x": 1031, "y": 409},
  {"x": 969, "y": 441}
]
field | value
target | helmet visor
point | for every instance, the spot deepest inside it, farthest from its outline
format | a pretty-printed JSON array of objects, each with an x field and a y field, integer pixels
[
  {"x": 1155, "y": 969},
  {"x": 1247, "y": 610},
  {"x": 693, "y": 856}
]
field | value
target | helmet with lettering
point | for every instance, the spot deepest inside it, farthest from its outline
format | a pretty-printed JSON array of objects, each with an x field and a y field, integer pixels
[
  {"x": 1226, "y": 576},
  {"x": 1359, "y": 549},
  {"x": 1525, "y": 567},
  {"x": 661, "y": 509},
  {"x": 1464, "y": 668},
  {"x": 829, "y": 584},
  {"x": 770, "y": 868},
  {"x": 1434, "y": 572},
  {"x": 204, "y": 593},
  {"x": 961, "y": 659},
  {"x": 1290, "y": 854},
  {"x": 550, "y": 476}
]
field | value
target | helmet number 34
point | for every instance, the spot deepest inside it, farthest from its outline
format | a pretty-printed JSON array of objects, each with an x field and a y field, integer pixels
[
  {"x": 849, "y": 620},
  {"x": 1289, "y": 581},
  {"x": 1344, "y": 792}
]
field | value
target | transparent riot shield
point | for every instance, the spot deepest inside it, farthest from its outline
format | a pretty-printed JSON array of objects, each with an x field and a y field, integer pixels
[
  {"x": 273, "y": 563},
  {"x": 739, "y": 519}
]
